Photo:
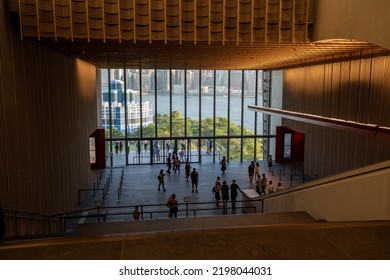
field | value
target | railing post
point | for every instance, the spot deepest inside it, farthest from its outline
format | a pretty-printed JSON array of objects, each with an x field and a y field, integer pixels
[
  {"x": 280, "y": 174},
  {"x": 187, "y": 209}
]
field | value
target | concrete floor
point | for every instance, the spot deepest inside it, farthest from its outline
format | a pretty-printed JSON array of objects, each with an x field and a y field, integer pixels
[{"x": 209, "y": 235}]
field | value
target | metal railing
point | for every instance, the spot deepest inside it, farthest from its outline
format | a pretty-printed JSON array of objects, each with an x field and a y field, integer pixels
[{"x": 147, "y": 212}]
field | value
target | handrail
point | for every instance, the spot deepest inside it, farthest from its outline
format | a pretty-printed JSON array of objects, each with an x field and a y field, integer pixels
[{"x": 102, "y": 212}]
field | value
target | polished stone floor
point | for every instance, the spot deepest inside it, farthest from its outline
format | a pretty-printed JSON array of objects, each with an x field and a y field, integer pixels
[{"x": 137, "y": 185}]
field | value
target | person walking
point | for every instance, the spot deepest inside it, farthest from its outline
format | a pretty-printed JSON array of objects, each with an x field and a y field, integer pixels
[
  {"x": 172, "y": 204},
  {"x": 225, "y": 193},
  {"x": 194, "y": 180},
  {"x": 234, "y": 188},
  {"x": 263, "y": 184},
  {"x": 160, "y": 178}
]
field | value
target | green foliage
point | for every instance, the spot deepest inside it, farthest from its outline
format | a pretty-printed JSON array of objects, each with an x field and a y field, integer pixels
[{"x": 207, "y": 129}]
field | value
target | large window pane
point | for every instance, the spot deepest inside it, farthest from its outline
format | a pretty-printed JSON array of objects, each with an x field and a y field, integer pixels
[
  {"x": 220, "y": 149},
  {"x": 163, "y": 104},
  {"x": 235, "y": 102},
  {"x": 179, "y": 106},
  {"x": 207, "y": 93},
  {"x": 148, "y": 103},
  {"x": 249, "y": 99},
  {"x": 105, "y": 102},
  {"x": 235, "y": 149},
  {"x": 192, "y": 102},
  {"x": 132, "y": 102},
  {"x": 260, "y": 95},
  {"x": 221, "y": 110},
  {"x": 117, "y": 93},
  {"x": 178, "y": 103},
  {"x": 248, "y": 148}
]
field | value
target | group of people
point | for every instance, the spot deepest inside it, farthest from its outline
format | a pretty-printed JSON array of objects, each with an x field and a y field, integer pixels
[{"x": 221, "y": 192}]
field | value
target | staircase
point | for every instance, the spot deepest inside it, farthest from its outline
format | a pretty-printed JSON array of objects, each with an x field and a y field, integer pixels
[{"x": 294, "y": 235}]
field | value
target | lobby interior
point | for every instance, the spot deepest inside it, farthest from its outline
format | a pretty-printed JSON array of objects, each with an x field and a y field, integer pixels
[{"x": 334, "y": 61}]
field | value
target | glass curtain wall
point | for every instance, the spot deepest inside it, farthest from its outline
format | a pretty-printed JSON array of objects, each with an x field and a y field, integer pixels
[{"x": 201, "y": 115}]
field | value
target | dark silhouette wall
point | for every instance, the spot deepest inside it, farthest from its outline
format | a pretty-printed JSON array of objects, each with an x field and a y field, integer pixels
[{"x": 48, "y": 110}]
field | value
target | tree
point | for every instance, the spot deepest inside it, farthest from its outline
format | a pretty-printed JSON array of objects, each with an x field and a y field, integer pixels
[{"x": 207, "y": 129}]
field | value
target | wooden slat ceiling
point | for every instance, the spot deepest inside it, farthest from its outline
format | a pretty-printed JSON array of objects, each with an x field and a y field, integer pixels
[{"x": 191, "y": 34}]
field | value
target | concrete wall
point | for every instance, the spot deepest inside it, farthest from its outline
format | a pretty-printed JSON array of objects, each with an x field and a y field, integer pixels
[
  {"x": 351, "y": 90},
  {"x": 359, "y": 195},
  {"x": 47, "y": 112},
  {"x": 360, "y": 20}
]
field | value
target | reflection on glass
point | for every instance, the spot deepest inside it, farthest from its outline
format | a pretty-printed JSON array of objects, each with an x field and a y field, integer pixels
[
  {"x": 287, "y": 145},
  {"x": 92, "y": 150}
]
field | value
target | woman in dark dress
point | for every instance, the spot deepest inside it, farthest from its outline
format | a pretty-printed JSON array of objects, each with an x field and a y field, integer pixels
[{"x": 223, "y": 164}]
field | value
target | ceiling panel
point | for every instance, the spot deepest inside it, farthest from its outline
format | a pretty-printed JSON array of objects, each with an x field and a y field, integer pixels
[{"x": 197, "y": 34}]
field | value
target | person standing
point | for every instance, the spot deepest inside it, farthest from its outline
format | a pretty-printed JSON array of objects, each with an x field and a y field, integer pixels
[
  {"x": 136, "y": 213},
  {"x": 177, "y": 164},
  {"x": 225, "y": 193},
  {"x": 263, "y": 184},
  {"x": 169, "y": 164},
  {"x": 194, "y": 180},
  {"x": 257, "y": 170},
  {"x": 270, "y": 187},
  {"x": 234, "y": 188},
  {"x": 251, "y": 171},
  {"x": 223, "y": 164},
  {"x": 270, "y": 164},
  {"x": 160, "y": 178},
  {"x": 217, "y": 192},
  {"x": 172, "y": 204},
  {"x": 258, "y": 184},
  {"x": 187, "y": 169}
]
